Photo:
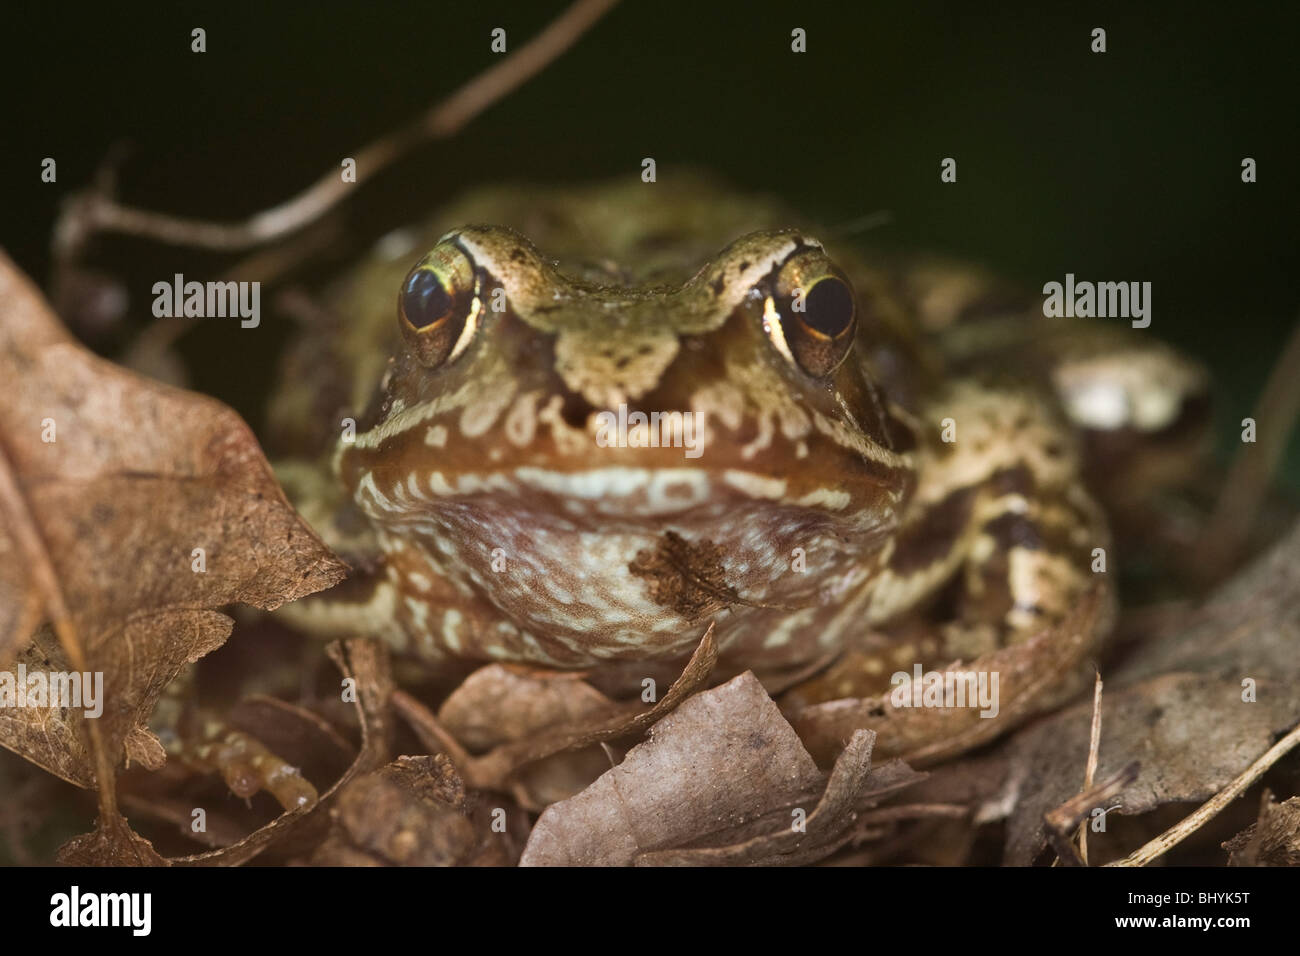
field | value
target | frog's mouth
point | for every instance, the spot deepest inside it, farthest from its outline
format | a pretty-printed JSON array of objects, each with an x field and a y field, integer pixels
[
  {"x": 596, "y": 497},
  {"x": 588, "y": 475}
]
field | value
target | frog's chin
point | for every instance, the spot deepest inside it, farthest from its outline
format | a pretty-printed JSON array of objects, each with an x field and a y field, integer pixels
[{"x": 611, "y": 562}]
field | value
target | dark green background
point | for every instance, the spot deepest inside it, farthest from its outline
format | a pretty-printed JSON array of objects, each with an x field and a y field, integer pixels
[{"x": 1122, "y": 166}]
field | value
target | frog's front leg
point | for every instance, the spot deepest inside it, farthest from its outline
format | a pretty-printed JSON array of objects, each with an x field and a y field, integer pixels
[
  {"x": 396, "y": 591},
  {"x": 998, "y": 545}
]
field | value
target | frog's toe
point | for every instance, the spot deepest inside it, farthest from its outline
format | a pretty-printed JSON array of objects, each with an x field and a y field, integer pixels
[{"x": 249, "y": 767}]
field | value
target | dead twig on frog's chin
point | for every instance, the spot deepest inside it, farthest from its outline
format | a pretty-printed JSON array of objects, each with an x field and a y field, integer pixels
[{"x": 97, "y": 212}]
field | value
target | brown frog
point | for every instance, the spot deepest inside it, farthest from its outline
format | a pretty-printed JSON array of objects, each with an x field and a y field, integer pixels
[{"x": 580, "y": 425}]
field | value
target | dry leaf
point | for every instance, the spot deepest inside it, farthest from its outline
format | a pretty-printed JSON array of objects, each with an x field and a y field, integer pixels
[
  {"x": 416, "y": 812},
  {"x": 138, "y": 659},
  {"x": 725, "y": 774},
  {"x": 496, "y": 770},
  {"x": 1273, "y": 840},
  {"x": 111, "y": 843},
  {"x": 365, "y": 662},
  {"x": 852, "y": 788},
  {"x": 500, "y": 704},
  {"x": 121, "y": 479}
]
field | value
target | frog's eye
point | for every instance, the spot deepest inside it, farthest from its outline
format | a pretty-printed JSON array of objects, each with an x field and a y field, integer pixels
[
  {"x": 812, "y": 318},
  {"x": 437, "y": 307},
  {"x": 425, "y": 300},
  {"x": 828, "y": 308}
]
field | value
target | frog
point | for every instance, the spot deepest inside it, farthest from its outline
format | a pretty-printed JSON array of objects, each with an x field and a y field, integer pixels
[{"x": 835, "y": 462}]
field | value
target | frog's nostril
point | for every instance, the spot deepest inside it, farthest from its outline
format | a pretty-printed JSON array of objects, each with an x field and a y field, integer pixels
[{"x": 576, "y": 410}]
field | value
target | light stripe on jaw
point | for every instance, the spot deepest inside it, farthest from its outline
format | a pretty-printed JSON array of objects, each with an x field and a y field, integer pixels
[
  {"x": 467, "y": 333},
  {"x": 772, "y": 326}
]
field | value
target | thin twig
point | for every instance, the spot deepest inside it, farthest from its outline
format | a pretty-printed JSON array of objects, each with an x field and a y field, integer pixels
[
  {"x": 1065, "y": 819},
  {"x": 265, "y": 265},
  {"x": 1228, "y": 529},
  {"x": 428, "y": 728},
  {"x": 872, "y": 220},
  {"x": 1094, "y": 748},
  {"x": 95, "y": 211},
  {"x": 1185, "y": 828}
]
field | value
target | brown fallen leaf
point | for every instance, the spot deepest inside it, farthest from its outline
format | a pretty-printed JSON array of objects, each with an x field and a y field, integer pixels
[
  {"x": 1273, "y": 840},
  {"x": 416, "y": 812},
  {"x": 722, "y": 779},
  {"x": 128, "y": 510},
  {"x": 500, "y": 704},
  {"x": 1191, "y": 735},
  {"x": 137, "y": 659},
  {"x": 366, "y": 663},
  {"x": 851, "y": 789},
  {"x": 497, "y": 769},
  {"x": 111, "y": 843}
]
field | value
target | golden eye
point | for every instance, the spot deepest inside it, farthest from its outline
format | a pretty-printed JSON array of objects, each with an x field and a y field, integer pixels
[
  {"x": 438, "y": 307},
  {"x": 817, "y": 313}
]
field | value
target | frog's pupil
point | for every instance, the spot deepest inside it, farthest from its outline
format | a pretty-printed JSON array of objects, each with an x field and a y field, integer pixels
[
  {"x": 829, "y": 307},
  {"x": 424, "y": 300}
]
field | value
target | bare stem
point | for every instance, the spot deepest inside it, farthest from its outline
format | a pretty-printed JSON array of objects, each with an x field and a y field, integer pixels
[
  {"x": 95, "y": 211},
  {"x": 1094, "y": 749},
  {"x": 1063, "y": 820},
  {"x": 1207, "y": 811},
  {"x": 1225, "y": 534}
]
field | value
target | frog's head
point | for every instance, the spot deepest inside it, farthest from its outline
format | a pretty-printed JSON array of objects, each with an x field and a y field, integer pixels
[{"x": 643, "y": 455}]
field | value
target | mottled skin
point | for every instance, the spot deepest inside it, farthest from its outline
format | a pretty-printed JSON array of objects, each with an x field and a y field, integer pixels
[{"x": 826, "y": 510}]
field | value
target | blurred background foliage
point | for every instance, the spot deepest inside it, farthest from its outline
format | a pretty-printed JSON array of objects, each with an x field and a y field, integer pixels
[{"x": 1120, "y": 166}]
